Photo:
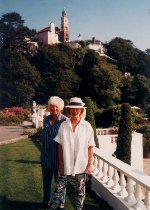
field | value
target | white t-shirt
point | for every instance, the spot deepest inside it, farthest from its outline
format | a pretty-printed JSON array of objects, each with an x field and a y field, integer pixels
[{"x": 75, "y": 145}]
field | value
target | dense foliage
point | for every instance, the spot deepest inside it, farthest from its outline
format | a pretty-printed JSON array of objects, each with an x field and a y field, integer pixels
[
  {"x": 13, "y": 32},
  {"x": 129, "y": 58},
  {"x": 108, "y": 117},
  {"x": 18, "y": 78},
  {"x": 58, "y": 77}
]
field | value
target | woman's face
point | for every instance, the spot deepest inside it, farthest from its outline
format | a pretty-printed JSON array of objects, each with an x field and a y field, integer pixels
[
  {"x": 75, "y": 112},
  {"x": 54, "y": 110}
]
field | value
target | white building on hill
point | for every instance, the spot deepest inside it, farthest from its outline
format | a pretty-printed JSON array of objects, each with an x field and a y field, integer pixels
[{"x": 48, "y": 35}]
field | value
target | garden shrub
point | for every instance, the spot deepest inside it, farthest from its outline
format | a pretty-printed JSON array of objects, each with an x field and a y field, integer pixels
[{"x": 13, "y": 116}]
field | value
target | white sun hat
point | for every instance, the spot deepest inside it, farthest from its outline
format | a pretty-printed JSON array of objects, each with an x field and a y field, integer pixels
[{"x": 75, "y": 102}]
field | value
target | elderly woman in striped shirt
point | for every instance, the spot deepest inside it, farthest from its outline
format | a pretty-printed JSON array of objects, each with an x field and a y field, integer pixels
[{"x": 49, "y": 151}]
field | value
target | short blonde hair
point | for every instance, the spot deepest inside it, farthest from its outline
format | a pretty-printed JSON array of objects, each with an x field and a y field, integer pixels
[{"x": 55, "y": 100}]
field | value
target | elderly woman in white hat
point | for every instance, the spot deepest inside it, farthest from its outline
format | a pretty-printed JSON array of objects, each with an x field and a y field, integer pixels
[{"x": 76, "y": 142}]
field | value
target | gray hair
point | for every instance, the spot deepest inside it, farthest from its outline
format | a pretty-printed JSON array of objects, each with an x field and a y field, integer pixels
[{"x": 55, "y": 100}]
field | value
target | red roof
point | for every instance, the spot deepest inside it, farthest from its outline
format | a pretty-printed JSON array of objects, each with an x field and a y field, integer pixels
[{"x": 44, "y": 30}]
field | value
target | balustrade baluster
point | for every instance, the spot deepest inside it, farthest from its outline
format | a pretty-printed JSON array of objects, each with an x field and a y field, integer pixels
[
  {"x": 122, "y": 183},
  {"x": 100, "y": 167},
  {"x": 116, "y": 186},
  {"x": 94, "y": 171},
  {"x": 130, "y": 189},
  {"x": 93, "y": 163},
  {"x": 147, "y": 200},
  {"x": 138, "y": 195},
  {"x": 110, "y": 181},
  {"x": 105, "y": 169}
]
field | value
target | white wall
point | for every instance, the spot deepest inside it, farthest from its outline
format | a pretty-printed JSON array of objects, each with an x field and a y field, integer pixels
[
  {"x": 107, "y": 144},
  {"x": 137, "y": 151}
]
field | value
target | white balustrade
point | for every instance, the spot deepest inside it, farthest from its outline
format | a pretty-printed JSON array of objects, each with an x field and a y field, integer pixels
[
  {"x": 38, "y": 115},
  {"x": 129, "y": 187}
]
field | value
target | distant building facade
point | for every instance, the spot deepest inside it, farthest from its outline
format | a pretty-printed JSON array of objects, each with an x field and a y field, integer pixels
[
  {"x": 96, "y": 45},
  {"x": 48, "y": 35}
]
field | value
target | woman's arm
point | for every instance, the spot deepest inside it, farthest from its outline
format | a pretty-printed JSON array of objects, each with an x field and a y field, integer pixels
[{"x": 90, "y": 159}]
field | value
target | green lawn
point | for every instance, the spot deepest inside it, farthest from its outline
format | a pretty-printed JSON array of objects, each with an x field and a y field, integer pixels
[{"x": 21, "y": 180}]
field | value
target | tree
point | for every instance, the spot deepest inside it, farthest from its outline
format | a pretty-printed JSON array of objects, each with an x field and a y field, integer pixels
[
  {"x": 124, "y": 52},
  {"x": 141, "y": 90},
  {"x": 19, "y": 79},
  {"x": 129, "y": 58},
  {"x": 82, "y": 43},
  {"x": 104, "y": 83},
  {"x": 91, "y": 59},
  {"x": 147, "y": 51},
  {"x": 127, "y": 91},
  {"x": 56, "y": 66},
  {"x": 90, "y": 117},
  {"x": 108, "y": 117},
  {"x": 143, "y": 64},
  {"x": 123, "y": 151},
  {"x": 13, "y": 32},
  {"x": 65, "y": 111}
]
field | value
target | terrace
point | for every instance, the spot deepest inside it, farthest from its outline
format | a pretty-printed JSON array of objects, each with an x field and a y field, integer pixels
[{"x": 124, "y": 187}]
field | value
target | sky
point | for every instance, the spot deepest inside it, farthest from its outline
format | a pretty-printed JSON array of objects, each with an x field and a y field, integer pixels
[{"x": 102, "y": 19}]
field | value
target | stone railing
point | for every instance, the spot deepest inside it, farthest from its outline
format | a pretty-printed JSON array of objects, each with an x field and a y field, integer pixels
[
  {"x": 38, "y": 117},
  {"x": 106, "y": 131},
  {"x": 119, "y": 184}
]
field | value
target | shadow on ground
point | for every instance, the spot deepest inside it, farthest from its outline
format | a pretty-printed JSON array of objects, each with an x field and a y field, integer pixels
[
  {"x": 6, "y": 204},
  {"x": 25, "y": 161}
]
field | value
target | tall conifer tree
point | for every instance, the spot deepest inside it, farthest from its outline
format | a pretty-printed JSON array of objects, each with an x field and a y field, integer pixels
[
  {"x": 123, "y": 151},
  {"x": 90, "y": 117}
]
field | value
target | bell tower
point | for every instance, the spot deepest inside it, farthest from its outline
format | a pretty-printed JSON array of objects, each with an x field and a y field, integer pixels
[{"x": 64, "y": 34}]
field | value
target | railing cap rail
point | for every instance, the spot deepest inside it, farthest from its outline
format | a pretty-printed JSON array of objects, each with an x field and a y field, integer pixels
[{"x": 134, "y": 174}]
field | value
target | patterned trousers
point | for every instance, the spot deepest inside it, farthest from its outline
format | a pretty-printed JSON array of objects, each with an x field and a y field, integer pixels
[{"x": 61, "y": 183}]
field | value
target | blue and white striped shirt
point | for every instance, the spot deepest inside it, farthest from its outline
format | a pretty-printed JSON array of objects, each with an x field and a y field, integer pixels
[{"x": 49, "y": 152}]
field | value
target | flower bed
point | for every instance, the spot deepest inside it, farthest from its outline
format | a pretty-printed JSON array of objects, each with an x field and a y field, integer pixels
[{"x": 13, "y": 116}]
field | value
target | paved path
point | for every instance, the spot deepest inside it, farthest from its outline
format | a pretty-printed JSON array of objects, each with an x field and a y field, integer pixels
[{"x": 11, "y": 134}]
